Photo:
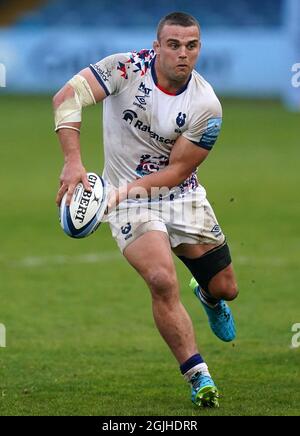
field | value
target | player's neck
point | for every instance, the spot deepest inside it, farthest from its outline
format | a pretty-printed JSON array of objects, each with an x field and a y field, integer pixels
[{"x": 171, "y": 86}]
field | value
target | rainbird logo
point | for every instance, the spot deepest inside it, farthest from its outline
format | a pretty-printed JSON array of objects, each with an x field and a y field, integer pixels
[
  {"x": 296, "y": 336},
  {"x": 2, "y": 76},
  {"x": 296, "y": 76},
  {"x": 2, "y": 336}
]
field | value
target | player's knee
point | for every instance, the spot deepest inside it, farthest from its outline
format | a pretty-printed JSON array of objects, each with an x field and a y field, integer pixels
[
  {"x": 226, "y": 289},
  {"x": 232, "y": 291},
  {"x": 162, "y": 283}
]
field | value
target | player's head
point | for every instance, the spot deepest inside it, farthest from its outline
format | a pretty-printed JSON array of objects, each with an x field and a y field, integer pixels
[{"x": 178, "y": 45}]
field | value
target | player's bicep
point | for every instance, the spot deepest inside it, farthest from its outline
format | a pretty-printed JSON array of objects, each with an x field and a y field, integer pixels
[{"x": 186, "y": 156}]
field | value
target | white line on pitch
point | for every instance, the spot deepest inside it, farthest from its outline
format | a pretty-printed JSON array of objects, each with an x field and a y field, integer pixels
[
  {"x": 39, "y": 261},
  {"x": 110, "y": 256}
]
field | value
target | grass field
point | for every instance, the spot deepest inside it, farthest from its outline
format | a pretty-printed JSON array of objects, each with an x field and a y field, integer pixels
[{"x": 80, "y": 334}]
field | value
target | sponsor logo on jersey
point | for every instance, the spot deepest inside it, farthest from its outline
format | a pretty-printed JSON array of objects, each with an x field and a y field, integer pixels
[
  {"x": 141, "y": 102},
  {"x": 216, "y": 230},
  {"x": 130, "y": 115},
  {"x": 104, "y": 74},
  {"x": 142, "y": 99},
  {"x": 146, "y": 91}
]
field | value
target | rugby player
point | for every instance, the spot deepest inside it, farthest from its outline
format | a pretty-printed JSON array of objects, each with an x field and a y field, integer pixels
[{"x": 160, "y": 119}]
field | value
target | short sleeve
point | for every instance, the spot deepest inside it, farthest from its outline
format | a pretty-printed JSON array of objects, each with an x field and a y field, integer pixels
[
  {"x": 205, "y": 126},
  {"x": 111, "y": 73},
  {"x": 116, "y": 72}
]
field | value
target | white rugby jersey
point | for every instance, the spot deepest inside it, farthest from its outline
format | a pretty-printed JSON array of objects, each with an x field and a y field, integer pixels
[{"x": 142, "y": 121}]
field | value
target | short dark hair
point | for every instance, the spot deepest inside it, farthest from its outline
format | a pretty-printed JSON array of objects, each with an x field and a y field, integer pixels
[{"x": 179, "y": 19}]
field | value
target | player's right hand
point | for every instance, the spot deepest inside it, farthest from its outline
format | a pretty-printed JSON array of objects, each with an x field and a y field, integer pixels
[{"x": 72, "y": 173}]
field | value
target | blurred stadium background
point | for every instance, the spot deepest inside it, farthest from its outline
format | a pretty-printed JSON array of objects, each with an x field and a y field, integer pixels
[{"x": 79, "y": 331}]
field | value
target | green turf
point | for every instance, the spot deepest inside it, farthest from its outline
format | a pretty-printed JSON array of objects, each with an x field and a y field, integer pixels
[{"x": 80, "y": 334}]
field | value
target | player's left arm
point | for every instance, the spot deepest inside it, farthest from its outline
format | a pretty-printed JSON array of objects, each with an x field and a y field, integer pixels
[
  {"x": 189, "y": 151},
  {"x": 185, "y": 157}
]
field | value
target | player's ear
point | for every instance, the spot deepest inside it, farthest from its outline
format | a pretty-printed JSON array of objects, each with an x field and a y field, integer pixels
[
  {"x": 156, "y": 46},
  {"x": 200, "y": 45}
]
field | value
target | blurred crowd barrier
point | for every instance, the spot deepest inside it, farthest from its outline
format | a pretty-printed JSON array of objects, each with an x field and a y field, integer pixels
[
  {"x": 246, "y": 62},
  {"x": 235, "y": 62}
]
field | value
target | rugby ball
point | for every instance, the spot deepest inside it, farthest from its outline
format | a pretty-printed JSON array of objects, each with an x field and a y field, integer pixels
[{"x": 86, "y": 209}]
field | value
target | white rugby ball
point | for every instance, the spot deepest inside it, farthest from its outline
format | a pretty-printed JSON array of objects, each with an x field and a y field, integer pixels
[{"x": 86, "y": 209}]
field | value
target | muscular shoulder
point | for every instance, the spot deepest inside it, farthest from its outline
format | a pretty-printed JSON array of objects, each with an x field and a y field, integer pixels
[
  {"x": 205, "y": 113},
  {"x": 116, "y": 72},
  {"x": 205, "y": 99}
]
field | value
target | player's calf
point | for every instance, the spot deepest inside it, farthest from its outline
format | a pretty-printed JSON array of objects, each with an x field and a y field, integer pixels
[
  {"x": 212, "y": 283},
  {"x": 214, "y": 273}
]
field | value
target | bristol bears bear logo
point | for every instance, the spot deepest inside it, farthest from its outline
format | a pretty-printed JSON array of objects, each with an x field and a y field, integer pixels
[
  {"x": 180, "y": 120},
  {"x": 126, "y": 229}
]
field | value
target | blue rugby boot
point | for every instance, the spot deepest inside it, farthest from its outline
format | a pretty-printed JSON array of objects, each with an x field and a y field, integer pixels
[
  {"x": 220, "y": 317},
  {"x": 204, "y": 391}
]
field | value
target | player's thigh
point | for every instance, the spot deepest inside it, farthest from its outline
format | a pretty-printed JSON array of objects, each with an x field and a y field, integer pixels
[
  {"x": 151, "y": 256},
  {"x": 194, "y": 229}
]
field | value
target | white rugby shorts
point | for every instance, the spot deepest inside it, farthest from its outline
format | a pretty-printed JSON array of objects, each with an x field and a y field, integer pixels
[{"x": 187, "y": 219}]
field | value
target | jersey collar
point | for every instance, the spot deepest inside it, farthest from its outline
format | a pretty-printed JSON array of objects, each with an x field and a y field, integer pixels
[{"x": 154, "y": 77}]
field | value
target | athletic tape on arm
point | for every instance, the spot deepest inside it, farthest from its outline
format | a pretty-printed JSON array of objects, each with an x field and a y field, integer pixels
[{"x": 69, "y": 111}]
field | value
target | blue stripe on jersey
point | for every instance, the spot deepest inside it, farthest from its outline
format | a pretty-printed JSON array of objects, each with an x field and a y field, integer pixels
[
  {"x": 211, "y": 133},
  {"x": 99, "y": 80}
]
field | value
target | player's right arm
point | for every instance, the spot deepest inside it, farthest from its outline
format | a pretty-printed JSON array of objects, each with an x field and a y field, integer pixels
[{"x": 81, "y": 91}]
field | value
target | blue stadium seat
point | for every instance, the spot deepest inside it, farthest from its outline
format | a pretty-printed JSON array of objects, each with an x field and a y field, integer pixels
[{"x": 134, "y": 14}]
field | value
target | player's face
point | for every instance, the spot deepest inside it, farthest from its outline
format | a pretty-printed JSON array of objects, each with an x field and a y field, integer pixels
[{"x": 177, "y": 51}]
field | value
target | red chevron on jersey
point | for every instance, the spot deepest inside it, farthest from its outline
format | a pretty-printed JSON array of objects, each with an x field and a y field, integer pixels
[{"x": 122, "y": 67}]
